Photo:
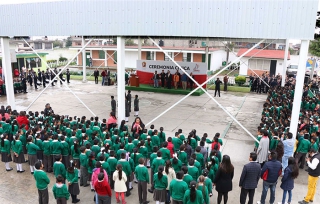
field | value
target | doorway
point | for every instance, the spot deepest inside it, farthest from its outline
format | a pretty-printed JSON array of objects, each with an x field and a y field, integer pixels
[{"x": 273, "y": 66}]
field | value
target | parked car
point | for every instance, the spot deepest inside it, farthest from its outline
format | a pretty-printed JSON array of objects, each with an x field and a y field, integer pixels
[{"x": 292, "y": 70}]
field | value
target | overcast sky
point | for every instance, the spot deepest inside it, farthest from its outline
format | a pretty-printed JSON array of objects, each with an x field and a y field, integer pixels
[{"x": 60, "y": 37}]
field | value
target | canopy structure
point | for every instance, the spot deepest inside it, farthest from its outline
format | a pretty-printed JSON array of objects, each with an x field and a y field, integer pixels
[{"x": 220, "y": 20}]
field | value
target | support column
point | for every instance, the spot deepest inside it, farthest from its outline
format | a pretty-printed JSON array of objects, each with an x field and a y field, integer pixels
[
  {"x": 285, "y": 63},
  {"x": 139, "y": 48},
  {"x": 84, "y": 60},
  {"x": 7, "y": 71},
  {"x": 299, "y": 87},
  {"x": 120, "y": 77},
  {"x": 207, "y": 55}
]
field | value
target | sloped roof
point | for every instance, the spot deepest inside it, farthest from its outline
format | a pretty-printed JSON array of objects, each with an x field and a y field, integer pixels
[{"x": 269, "y": 54}]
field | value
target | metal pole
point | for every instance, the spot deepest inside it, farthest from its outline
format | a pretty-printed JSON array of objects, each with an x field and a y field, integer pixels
[
  {"x": 58, "y": 75},
  {"x": 200, "y": 86},
  {"x": 7, "y": 70},
  {"x": 120, "y": 78},
  {"x": 299, "y": 87},
  {"x": 285, "y": 63},
  {"x": 206, "y": 53},
  {"x": 139, "y": 48},
  {"x": 84, "y": 60}
]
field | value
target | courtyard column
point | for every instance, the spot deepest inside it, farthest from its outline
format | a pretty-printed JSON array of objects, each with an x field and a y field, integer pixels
[
  {"x": 207, "y": 53},
  {"x": 299, "y": 87},
  {"x": 84, "y": 60},
  {"x": 139, "y": 48},
  {"x": 7, "y": 71},
  {"x": 285, "y": 63},
  {"x": 121, "y": 78}
]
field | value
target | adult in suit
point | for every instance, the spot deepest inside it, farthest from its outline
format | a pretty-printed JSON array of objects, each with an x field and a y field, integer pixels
[
  {"x": 39, "y": 75},
  {"x": 190, "y": 81},
  {"x": 169, "y": 79},
  {"x": 128, "y": 97},
  {"x": 108, "y": 77},
  {"x": 217, "y": 88},
  {"x": 96, "y": 75},
  {"x": 68, "y": 76},
  {"x": 163, "y": 78},
  {"x": 249, "y": 179},
  {"x": 61, "y": 77},
  {"x": 113, "y": 104},
  {"x": 24, "y": 84},
  {"x": 259, "y": 85}
]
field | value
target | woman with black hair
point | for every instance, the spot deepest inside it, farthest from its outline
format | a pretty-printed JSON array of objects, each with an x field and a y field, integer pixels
[
  {"x": 291, "y": 172},
  {"x": 192, "y": 195},
  {"x": 223, "y": 180},
  {"x": 5, "y": 151},
  {"x": 120, "y": 187},
  {"x": 137, "y": 126},
  {"x": 72, "y": 181},
  {"x": 18, "y": 157},
  {"x": 169, "y": 172},
  {"x": 160, "y": 184}
]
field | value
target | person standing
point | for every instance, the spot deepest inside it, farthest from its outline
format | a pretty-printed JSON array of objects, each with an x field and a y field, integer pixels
[
  {"x": 155, "y": 79},
  {"x": 191, "y": 81},
  {"x": 263, "y": 149},
  {"x": 113, "y": 104},
  {"x": 249, "y": 179},
  {"x": 217, "y": 87},
  {"x": 302, "y": 150},
  {"x": 142, "y": 176},
  {"x": 288, "y": 145},
  {"x": 103, "y": 190},
  {"x": 162, "y": 78},
  {"x": 270, "y": 173},
  {"x": 108, "y": 75},
  {"x": 223, "y": 179},
  {"x": 136, "y": 106},
  {"x": 90, "y": 62},
  {"x": 129, "y": 100},
  {"x": 120, "y": 179},
  {"x": 96, "y": 75},
  {"x": 42, "y": 181},
  {"x": 287, "y": 182},
  {"x": 60, "y": 191},
  {"x": 169, "y": 79},
  {"x": 184, "y": 78},
  {"x": 61, "y": 77},
  {"x": 24, "y": 84},
  {"x": 225, "y": 82},
  {"x": 314, "y": 173},
  {"x": 103, "y": 74},
  {"x": 176, "y": 80}
]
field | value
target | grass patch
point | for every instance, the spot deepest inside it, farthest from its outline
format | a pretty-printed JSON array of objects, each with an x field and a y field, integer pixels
[
  {"x": 148, "y": 88},
  {"x": 224, "y": 72},
  {"x": 79, "y": 77},
  {"x": 242, "y": 89}
]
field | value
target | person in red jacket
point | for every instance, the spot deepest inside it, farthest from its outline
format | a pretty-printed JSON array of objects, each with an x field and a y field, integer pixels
[
  {"x": 22, "y": 119},
  {"x": 170, "y": 146},
  {"x": 103, "y": 190}
]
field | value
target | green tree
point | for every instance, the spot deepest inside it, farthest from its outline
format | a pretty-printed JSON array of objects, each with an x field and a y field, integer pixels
[
  {"x": 314, "y": 47},
  {"x": 68, "y": 42},
  {"x": 229, "y": 45},
  {"x": 57, "y": 43}
]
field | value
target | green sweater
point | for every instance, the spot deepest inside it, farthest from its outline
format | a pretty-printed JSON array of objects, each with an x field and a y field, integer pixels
[
  {"x": 205, "y": 193},
  {"x": 183, "y": 157},
  {"x": 129, "y": 147},
  {"x": 32, "y": 148},
  {"x": 6, "y": 146},
  {"x": 198, "y": 200},
  {"x": 119, "y": 152},
  {"x": 72, "y": 177},
  {"x": 75, "y": 155},
  {"x": 177, "y": 189},
  {"x": 125, "y": 167},
  {"x": 46, "y": 147},
  {"x": 106, "y": 167},
  {"x": 83, "y": 160},
  {"x": 56, "y": 147},
  {"x": 304, "y": 146},
  {"x": 155, "y": 140},
  {"x": 177, "y": 166},
  {"x": 165, "y": 153},
  {"x": 200, "y": 159},
  {"x": 113, "y": 163},
  {"x": 194, "y": 172},
  {"x": 135, "y": 158},
  {"x": 142, "y": 173},
  {"x": 160, "y": 184},
  {"x": 59, "y": 169},
  {"x": 60, "y": 191},
  {"x": 64, "y": 148},
  {"x": 17, "y": 146},
  {"x": 187, "y": 178},
  {"x": 156, "y": 163},
  {"x": 176, "y": 143},
  {"x": 42, "y": 180}
]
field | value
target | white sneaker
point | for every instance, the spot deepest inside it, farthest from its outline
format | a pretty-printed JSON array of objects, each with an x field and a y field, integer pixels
[{"x": 258, "y": 202}]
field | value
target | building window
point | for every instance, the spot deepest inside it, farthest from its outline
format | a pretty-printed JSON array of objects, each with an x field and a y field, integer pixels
[
  {"x": 259, "y": 64},
  {"x": 102, "y": 55},
  {"x": 150, "y": 55},
  {"x": 188, "y": 57},
  {"x": 25, "y": 45},
  {"x": 167, "y": 58},
  {"x": 37, "y": 46},
  {"x": 48, "y": 46},
  {"x": 33, "y": 62},
  {"x": 115, "y": 57}
]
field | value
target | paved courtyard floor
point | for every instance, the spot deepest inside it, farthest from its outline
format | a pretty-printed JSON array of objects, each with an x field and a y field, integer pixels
[{"x": 196, "y": 112}]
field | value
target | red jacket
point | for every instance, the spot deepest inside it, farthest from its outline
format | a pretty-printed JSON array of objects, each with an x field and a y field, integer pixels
[
  {"x": 170, "y": 147},
  {"x": 102, "y": 188},
  {"x": 214, "y": 143},
  {"x": 23, "y": 120}
]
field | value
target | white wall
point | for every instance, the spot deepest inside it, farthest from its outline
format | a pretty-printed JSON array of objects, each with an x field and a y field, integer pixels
[
  {"x": 131, "y": 59},
  {"x": 279, "y": 68},
  {"x": 243, "y": 66},
  {"x": 56, "y": 53},
  {"x": 217, "y": 57}
]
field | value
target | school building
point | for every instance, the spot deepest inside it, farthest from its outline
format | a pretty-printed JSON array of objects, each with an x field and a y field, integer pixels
[{"x": 27, "y": 59}]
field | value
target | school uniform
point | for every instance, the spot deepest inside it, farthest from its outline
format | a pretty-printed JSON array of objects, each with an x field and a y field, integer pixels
[
  {"x": 42, "y": 181},
  {"x": 38, "y": 142},
  {"x": 176, "y": 166},
  {"x": 55, "y": 147},
  {"x": 59, "y": 169},
  {"x": 183, "y": 157},
  {"x": 193, "y": 172},
  {"x": 17, "y": 149},
  {"x": 165, "y": 153},
  {"x": 5, "y": 152},
  {"x": 60, "y": 193},
  {"x": 83, "y": 169},
  {"x": 136, "y": 106},
  {"x": 65, "y": 153},
  {"x": 142, "y": 176},
  {"x": 113, "y": 164},
  {"x": 47, "y": 158},
  {"x": 177, "y": 188},
  {"x": 73, "y": 188},
  {"x": 205, "y": 193},
  {"x": 198, "y": 200},
  {"x": 155, "y": 140},
  {"x": 32, "y": 153},
  {"x": 176, "y": 143},
  {"x": 126, "y": 168},
  {"x": 160, "y": 185}
]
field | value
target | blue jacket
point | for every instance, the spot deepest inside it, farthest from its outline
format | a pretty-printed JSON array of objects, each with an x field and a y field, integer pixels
[
  {"x": 288, "y": 146},
  {"x": 287, "y": 180},
  {"x": 274, "y": 170}
]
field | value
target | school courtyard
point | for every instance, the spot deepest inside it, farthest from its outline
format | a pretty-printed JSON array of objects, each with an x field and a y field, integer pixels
[{"x": 196, "y": 112}]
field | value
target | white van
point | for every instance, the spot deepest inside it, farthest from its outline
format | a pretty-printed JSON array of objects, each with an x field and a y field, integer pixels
[{"x": 292, "y": 70}]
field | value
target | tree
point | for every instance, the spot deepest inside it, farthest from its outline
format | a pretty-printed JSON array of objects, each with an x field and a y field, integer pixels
[
  {"x": 314, "y": 47},
  {"x": 68, "y": 42},
  {"x": 57, "y": 43},
  {"x": 229, "y": 45}
]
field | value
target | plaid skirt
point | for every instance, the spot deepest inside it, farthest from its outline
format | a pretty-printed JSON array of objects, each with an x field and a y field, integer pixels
[
  {"x": 160, "y": 195},
  {"x": 74, "y": 189},
  {"x": 32, "y": 159},
  {"x": 5, "y": 157},
  {"x": 20, "y": 159}
]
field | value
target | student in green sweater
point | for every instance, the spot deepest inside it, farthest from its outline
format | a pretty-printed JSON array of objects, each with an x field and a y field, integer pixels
[
  {"x": 113, "y": 165},
  {"x": 192, "y": 170},
  {"x": 75, "y": 153},
  {"x": 126, "y": 168},
  {"x": 177, "y": 188},
  {"x": 65, "y": 151},
  {"x": 182, "y": 155},
  {"x": 203, "y": 188},
  {"x": 72, "y": 181},
  {"x": 5, "y": 151},
  {"x": 187, "y": 177},
  {"x": 155, "y": 165},
  {"x": 142, "y": 176},
  {"x": 176, "y": 142},
  {"x": 60, "y": 191},
  {"x": 47, "y": 158},
  {"x": 83, "y": 167},
  {"x": 160, "y": 185},
  {"x": 302, "y": 150},
  {"x": 192, "y": 195},
  {"x": 151, "y": 130},
  {"x": 42, "y": 181},
  {"x": 162, "y": 136},
  {"x": 18, "y": 156},
  {"x": 59, "y": 168},
  {"x": 32, "y": 153}
]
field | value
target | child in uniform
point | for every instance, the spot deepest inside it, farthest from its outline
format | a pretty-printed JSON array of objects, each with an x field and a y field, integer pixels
[
  {"x": 18, "y": 157},
  {"x": 60, "y": 191},
  {"x": 5, "y": 151},
  {"x": 72, "y": 181},
  {"x": 142, "y": 176}
]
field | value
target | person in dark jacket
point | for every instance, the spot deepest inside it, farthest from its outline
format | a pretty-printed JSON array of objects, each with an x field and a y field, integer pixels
[
  {"x": 48, "y": 110},
  {"x": 270, "y": 173},
  {"x": 128, "y": 96},
  {"x": 163, "y": 78},
  {"x": 68, "y": 76},
  {"x": 113, "y": 104},
  {"x": 96, "y": 75},
  {"x": 136, "y": 106},
  {"x": 169, "y": 79},
  {"x": 291, "y": 172},
  {"x": 217, "y": 88},
  {"x": 223, "y": 179},
  {"x": 249, "y": 179}
]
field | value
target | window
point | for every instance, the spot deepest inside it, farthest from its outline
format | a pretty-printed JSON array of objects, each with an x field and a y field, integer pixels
[
  {"x": 115, "y": 57},
  {"x": 102, "y": 55},
  {"x": 167, "y": 58},
  {"x": 259, "y": 64},
  {"x": 150, "y": 55},
  {"x": 25, "y": 45},
  {"x": 188, "y": 57},
  {"x": 48, "y": 46},
  {"x": 37, "y": 46},
  {"x": 33, "y": 62}
]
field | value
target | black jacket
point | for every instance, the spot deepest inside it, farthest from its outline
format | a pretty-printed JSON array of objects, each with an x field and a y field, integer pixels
[
  {"x": 250, "y": 175},
  {"x": 223, "y": 181}
]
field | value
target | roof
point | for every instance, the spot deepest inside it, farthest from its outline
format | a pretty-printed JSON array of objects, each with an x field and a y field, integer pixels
[
  {"x": 147, "y": 48},
  {"x": 28, "y": 54},
  {"x": 269, "y": 54}
]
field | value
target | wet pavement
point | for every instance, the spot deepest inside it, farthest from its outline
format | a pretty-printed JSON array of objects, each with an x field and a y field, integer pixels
[{"x": 196, "y": 112}]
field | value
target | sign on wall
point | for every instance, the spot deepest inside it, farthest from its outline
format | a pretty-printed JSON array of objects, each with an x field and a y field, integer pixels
[{"x": 197, "y": 68}]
